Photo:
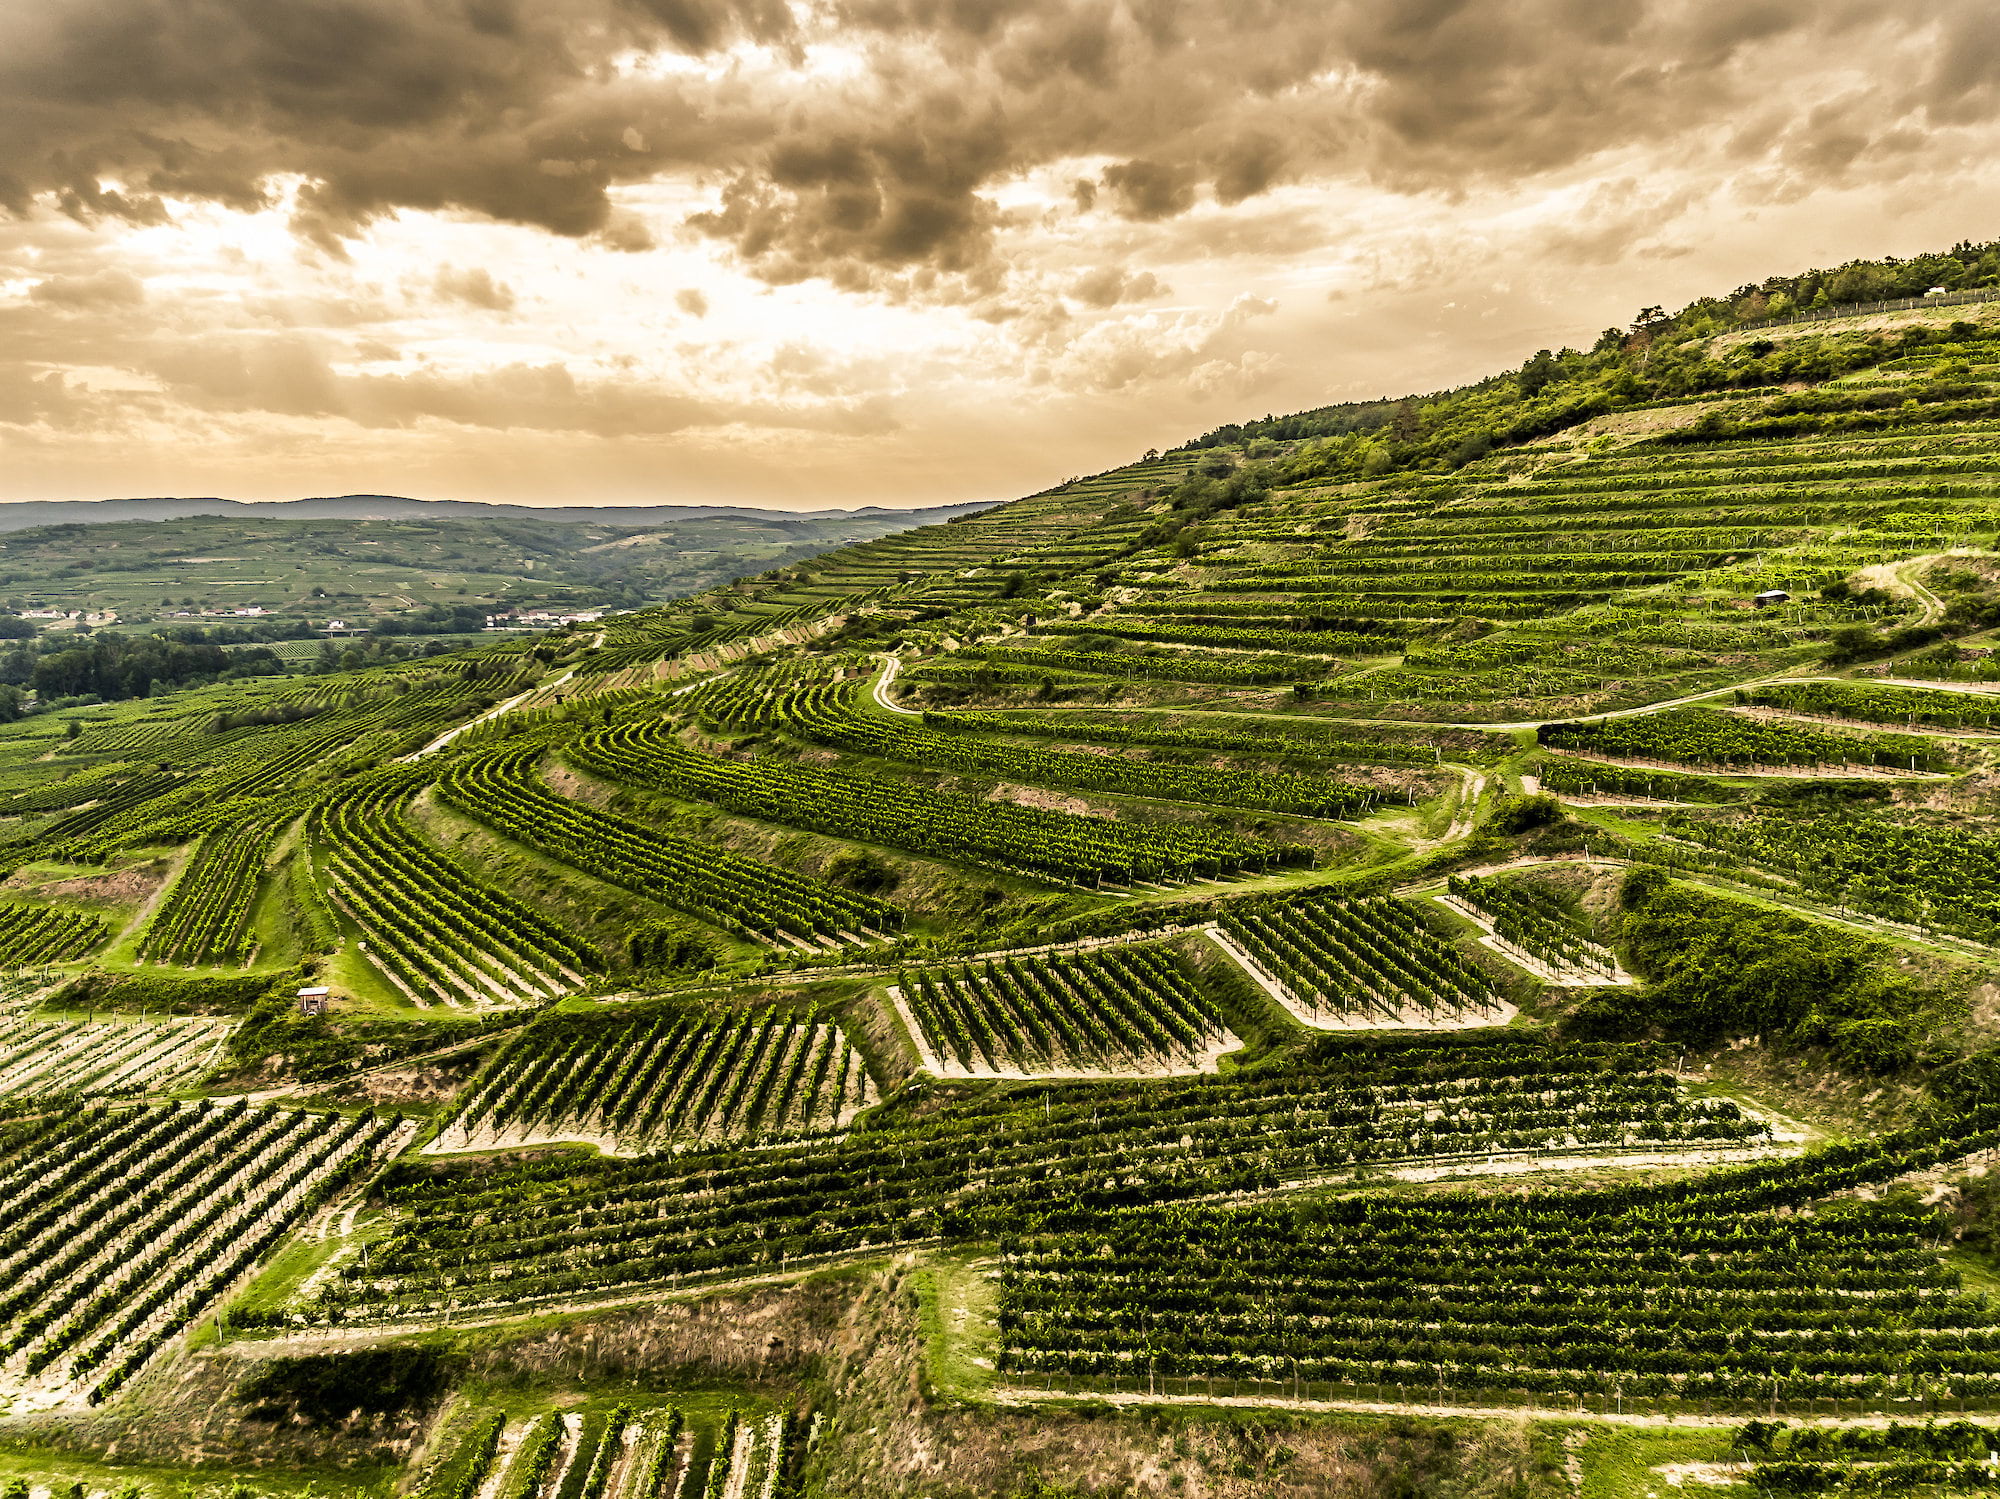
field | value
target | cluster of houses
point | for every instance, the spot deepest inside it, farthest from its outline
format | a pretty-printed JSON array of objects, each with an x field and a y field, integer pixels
[
  {"x": 74, "y": 616},
  {"x": 541, "y": 619},
  {"x": 511, "y": 619}
]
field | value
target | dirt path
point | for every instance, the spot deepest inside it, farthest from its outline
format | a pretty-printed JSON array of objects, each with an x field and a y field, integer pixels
[
  {"x": 1901, "y": 577},
  {"x": 493, "y": 712},
  {"x": 503, "y": 1458},
  {"x": 1021, "y": 1395},
  {"x": 1472, "y": 786},
  {"x": 892, "y": 667}
]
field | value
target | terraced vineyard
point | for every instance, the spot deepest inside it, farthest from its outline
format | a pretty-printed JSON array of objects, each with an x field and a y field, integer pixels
[
  {"x": 433, "y": 929},
  {"x": 1529, "y": 1293},
  {"x": 1871, "y": 703},
  {"x": 1906, "y": 871},
  {"x": 1296, "y": 741},
  {"x": 1057, "y": 846},
  {"x": 42, "y": 1058},
  {"x": 1362, "y": 963},
  {"x": 1720, "y": 740},
  {"x": 701, "y": 879},
  {"x": 671, "y": 1078},
  {"x": 1592, "y": 778},
  {"x": 203, "y": 918},
  {"x": 149, "y": 1216},
  {"x": 711, "y": 1213},
  {"x": 1531, "y": 927},
  {"x": 47, "y": 934},
  {"x": 1895, "y": 1460},
  {"x": 1118, "y": 1009},
  {"x": 1348, "y": 911},
  {"x": 826, "y": 713}
]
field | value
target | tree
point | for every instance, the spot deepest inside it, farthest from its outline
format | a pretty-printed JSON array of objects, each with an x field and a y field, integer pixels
[
  {"x": 1471, "y": 447},
  {"x": 1538, "y": 373},
  {"x": 1851, "y": 643}
]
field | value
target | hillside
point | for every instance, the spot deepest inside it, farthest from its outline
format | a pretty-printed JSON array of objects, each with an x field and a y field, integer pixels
[{"x": 1102, "y": 993}]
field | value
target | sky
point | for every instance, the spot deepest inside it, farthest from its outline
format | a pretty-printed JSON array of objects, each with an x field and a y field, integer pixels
[{"x": 892, "y": 252}]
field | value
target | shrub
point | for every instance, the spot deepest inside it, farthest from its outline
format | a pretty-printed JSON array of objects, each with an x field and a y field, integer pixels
[
  {"x": 671, "y": 946},
  {"x": 323, "y": 1388},
  {"x": 1523, "y": 814},
  {"x": 1721, "y": 967}
]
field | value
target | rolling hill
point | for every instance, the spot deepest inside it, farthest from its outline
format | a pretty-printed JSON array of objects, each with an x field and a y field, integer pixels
[{"x": 1481, "y": 903}]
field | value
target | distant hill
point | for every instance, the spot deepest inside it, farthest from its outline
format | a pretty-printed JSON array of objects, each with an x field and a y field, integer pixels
[
  {"x": 20, "y": 515},
  {"x": 379, "y": 560}
]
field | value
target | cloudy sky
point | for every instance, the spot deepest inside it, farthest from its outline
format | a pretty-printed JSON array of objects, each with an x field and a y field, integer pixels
[{"x": 904, "y": 252}]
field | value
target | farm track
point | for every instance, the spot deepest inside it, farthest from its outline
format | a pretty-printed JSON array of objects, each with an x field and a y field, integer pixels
[
  {"x": 321, "y": 1339},
  {"x": 496, "y": 711},
  {"x": 892, "y": 667},
  {"x": 1023, "y": 1396}
]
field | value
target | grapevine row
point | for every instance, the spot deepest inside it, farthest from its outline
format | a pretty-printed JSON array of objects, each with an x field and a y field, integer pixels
[
  {"x": 645, "y": 1083},
  {"x": 1361, "y": 959},
  {"x": 943, "y": 824},
  {"x": 432, "y": 928},
  {"x": 1118, "y": 1007},
  {"x": 502, "y": 790}
]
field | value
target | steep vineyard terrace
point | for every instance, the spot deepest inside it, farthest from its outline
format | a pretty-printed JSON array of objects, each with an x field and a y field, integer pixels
[{"x": 1517, "y": 929}]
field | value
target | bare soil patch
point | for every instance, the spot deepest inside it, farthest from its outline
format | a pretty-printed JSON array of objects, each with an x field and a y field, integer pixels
[{"x": 121, "y": 887}]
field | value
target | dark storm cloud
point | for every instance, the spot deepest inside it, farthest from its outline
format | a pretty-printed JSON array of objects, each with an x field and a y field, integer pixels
[{"x": 518, "y": 110}]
